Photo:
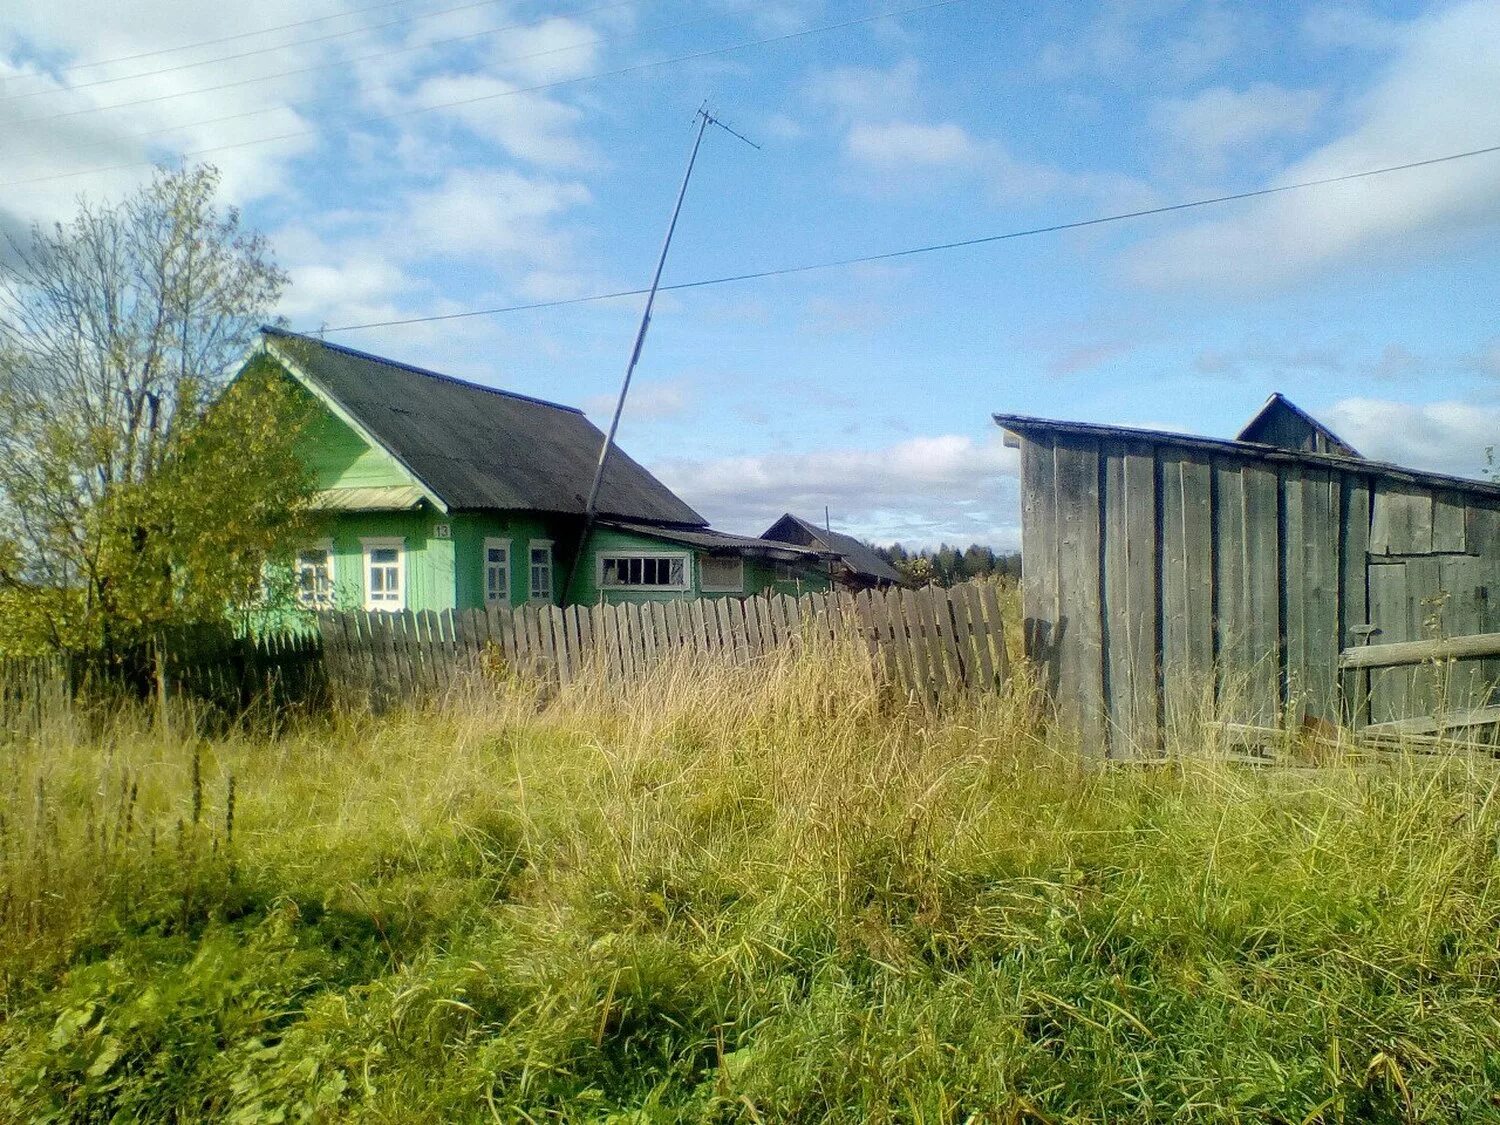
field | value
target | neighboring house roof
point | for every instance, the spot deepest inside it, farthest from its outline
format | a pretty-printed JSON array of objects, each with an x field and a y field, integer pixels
[
  {"x": 1281, "y": 422},
  {"x": 859, "y": 557},
  {"x": 474, "y": 446},
  {"x": 1045, "y": 428},
  {"x": 709, "y": 540}
]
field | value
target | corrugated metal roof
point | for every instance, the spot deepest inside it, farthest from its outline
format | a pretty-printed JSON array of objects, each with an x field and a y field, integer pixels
[
  {"x": 1028, "y": 426},
  {"x": 383, "y": 498},
  {"x": 710, "y": 540},
  {"x": 480, "y": 447},
  {"x": 858, "y": 556}
]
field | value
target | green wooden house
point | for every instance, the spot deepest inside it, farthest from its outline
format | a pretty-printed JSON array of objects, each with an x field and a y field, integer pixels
[{"x": 441, "y": 494}]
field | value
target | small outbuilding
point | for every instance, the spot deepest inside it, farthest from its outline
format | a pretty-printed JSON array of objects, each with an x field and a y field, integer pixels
[
  {"x": 1168, "y": 577},
  {"x": 858, "y": 565}
]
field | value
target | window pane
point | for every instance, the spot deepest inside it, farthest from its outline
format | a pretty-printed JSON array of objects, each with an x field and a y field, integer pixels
[
  {"x": 675, "y": 577},
  {"x": 383, "y": 555}
]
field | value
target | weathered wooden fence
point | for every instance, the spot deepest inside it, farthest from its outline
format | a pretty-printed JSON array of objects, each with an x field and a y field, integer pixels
[
  {"x": 930, "y": 642},
  {"x": 1456, "y": 707}
]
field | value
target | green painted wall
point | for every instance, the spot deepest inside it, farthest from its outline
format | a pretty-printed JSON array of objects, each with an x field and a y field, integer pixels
[{"x": 340, "y": 458}]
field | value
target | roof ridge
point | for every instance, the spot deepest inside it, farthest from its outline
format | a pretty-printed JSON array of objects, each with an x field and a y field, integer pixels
[{"x": 415, "y": 370}]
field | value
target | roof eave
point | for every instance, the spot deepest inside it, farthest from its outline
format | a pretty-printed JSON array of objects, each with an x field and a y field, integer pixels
[{"x": 1025, "y": 426}]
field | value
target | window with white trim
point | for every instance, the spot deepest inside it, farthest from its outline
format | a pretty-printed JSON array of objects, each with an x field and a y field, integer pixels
[
  {"x": 721, "y": 574},
  {"x": 385, "y": 573},
  {"x": 314, "y": 575},
  {"x": 644, "y": 572},
  {"x": 497, "y": 571},
  {"x": 541, "y": 571}
]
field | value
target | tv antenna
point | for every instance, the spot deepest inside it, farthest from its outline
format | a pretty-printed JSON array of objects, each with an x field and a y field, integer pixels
[{"x": 704, "y": 119}]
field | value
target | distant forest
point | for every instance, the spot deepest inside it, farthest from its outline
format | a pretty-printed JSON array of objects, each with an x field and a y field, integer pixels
[{"x": 949, "y": 565}]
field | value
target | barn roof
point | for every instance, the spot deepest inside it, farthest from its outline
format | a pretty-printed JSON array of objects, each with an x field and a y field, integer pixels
[
  {"x": 474, "y": 446},
  {"x": 709, "y": 540},
  {"x": 1030, "y": 427},
  {"x": 860, "y": 557},
  {"x": 1278, "y": 408}
]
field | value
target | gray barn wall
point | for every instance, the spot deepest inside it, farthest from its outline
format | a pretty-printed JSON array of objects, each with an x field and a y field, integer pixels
[{"x": 1163, "y": 580}]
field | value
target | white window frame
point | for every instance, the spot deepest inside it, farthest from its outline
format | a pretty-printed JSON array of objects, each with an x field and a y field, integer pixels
[
  {"x": 485, "y": 564},
  {"x": 368, "y": 546},
  {"x": 312, "y": 603},
  {"x": 531, "y": 548},
  {"x": 739, "y": 582},
  {"x": 677, "y": 556}
]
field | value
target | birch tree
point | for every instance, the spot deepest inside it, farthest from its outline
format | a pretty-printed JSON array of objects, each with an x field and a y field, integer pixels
[{"x": 137, "y": 487}]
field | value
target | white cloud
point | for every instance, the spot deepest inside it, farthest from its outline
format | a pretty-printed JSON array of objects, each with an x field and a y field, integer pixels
[
  {"x": 908, "y": 143},
  {"x": 1346, "y": 25},
  {"x": 497, "y": 215},
  {"x": 1440, "y": 95},
  {"x": 905, "y": 154},
  {"x": 853, "y": 92},
  {"x": 1448, "y": 437},
  {"x": 40, "y": 145},
  {"x": 649, "y": 402},
  {"x": 1221, "y": 118},
  {"x": 526, "y": 125},
  {"x": 924, "y": 490}
]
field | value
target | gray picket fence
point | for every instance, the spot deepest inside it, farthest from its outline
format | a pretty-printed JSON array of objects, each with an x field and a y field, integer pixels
[{"x": 930, "y": 642}]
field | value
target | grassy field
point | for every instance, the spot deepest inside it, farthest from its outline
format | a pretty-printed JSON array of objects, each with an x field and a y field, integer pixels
[{"x": 760, "y": 894}]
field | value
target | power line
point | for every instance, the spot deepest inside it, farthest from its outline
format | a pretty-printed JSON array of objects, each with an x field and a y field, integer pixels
[
  {"x": 912, "y": 251},
  {"x": 596, "y": 41},
  {"x": 250, "y": 54},
  {"x": 619, "y": 72},
  {"x": 226, "y": 38}
]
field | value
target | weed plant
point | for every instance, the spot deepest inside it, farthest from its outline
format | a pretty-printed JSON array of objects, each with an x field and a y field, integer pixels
[{"x": 766, "y": 893}]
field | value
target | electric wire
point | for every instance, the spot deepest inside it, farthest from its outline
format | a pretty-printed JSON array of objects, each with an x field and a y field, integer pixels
[
  {"x": 249, "y": 54},
  {"x": 912, "y": 251},
  {"x": 595, "y": 42},
  {"x": 397, "y": 114},
  {"x": 226, "y": 38}
]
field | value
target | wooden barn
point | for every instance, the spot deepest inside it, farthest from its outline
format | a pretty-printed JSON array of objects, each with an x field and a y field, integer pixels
[{"x": 1167, "y": 578}]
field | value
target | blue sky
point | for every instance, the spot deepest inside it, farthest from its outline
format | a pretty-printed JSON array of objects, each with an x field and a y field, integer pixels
[{"x": 869, "y": 388}]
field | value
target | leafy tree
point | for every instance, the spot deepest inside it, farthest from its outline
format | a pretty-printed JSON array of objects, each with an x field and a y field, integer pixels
[{"x": 138, "y": 489}]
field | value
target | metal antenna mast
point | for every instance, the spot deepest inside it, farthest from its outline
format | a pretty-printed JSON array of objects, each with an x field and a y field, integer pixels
[{"x": 591, "y": 507}]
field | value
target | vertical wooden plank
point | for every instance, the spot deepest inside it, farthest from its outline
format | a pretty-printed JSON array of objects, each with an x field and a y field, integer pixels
[
  {"x": 1186, "y": 593},
  {"x": 1354, "y": 596},
  {"x": 944, "y": 648},
  {"x": 1323, "y": 517},
  {"x": 1401, "y": 523},
  {"x": 1130, "y": 611},
  {"x": 1293, "y": 597},
  {"x": 1081, "y": 703},
  {"x": 995, "y": 628},
  {"x": 1448, "y": 523},
  {"x": 1041, "y": 627},
  {"x": 1390, "y": 694},
  {"x": 588, "y": 643},
  {"x": 699, "y": 621},
  {"x": 907, "y": 620},
  {"x": 753, "y": 630},
  {"x": 1262, "y": 568},
  {"x": 964, "y": 631},
  {"x": 1231, "y": 610},
  {"x": 886, "y": 607}
]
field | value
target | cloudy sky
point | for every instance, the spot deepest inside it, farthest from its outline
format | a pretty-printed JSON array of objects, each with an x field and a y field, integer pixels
[{"x": 420, "y": 157}]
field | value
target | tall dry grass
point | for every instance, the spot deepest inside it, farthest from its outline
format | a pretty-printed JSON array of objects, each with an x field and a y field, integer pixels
[{"x": 761, "y": 893}]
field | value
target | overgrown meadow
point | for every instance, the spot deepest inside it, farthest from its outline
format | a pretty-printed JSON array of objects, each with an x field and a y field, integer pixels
[{"x": 733, "y": 894}]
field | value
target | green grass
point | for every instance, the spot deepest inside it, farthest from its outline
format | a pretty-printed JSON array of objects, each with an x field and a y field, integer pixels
[{"x": 761, "y": 894}]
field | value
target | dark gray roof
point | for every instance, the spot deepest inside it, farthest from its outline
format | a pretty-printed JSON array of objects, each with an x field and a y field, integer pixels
[
  {"x": 858, "y": 556},
  {"x": 710, "y": 540},
  {"x": 479, "y": 447},
  {"x": 1032, "y": 428}
]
